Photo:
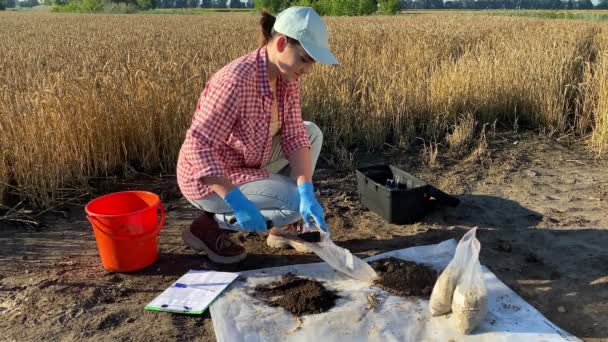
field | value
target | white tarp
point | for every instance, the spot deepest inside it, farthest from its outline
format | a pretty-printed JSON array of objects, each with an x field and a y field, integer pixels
[{"x": 237, "y": 316}]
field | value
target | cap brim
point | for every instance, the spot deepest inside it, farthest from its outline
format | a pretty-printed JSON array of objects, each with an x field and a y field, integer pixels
[{"x": 319, "y": 54}]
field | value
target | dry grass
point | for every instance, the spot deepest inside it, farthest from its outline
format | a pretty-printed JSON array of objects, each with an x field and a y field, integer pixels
[
  {"x": 430, "y": 153},
  {"x": 481, "y": 152},
  {"x": 3, "y": 175},
  {"x": 95, "y": 95},
  {"x": 599, "y": 107},
  {"x": 462, "y": 134}
]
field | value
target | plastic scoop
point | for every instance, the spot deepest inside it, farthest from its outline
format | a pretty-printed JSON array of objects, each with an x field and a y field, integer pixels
[{"x": 341, "y": 259}]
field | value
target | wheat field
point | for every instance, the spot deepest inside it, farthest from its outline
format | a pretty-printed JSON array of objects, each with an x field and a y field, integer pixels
[{"x": 86, "y": 96}]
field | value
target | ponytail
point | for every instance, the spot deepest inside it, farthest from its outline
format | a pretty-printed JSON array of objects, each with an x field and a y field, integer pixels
[{"x": 266, "y": 24}]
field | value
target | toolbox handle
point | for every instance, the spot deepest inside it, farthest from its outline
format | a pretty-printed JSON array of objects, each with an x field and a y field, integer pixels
[{"x": 442, "y": 197}]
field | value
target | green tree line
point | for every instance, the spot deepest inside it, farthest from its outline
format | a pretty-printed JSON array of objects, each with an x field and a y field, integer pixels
[
  {"x": 334, "y": 7},
  {"x": 323, "y": 7}
]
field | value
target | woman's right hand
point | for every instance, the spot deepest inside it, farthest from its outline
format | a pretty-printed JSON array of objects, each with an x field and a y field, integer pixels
[{"x": 247, "y": 214}]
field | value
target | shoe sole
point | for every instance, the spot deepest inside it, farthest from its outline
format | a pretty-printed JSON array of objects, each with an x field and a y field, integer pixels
[
  {"x": 198, "y": 245},
  {"x": 280, "y": 242}
]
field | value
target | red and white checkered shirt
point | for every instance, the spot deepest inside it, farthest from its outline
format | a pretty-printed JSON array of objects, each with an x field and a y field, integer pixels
[{"x": 230, "y": 131}]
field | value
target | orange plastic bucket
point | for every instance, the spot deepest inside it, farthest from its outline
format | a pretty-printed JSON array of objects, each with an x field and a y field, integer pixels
[{"x": 126, "y": 226}]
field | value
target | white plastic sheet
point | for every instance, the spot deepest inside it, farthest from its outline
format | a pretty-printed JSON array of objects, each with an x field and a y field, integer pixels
[{"x": 237, "y": 316}]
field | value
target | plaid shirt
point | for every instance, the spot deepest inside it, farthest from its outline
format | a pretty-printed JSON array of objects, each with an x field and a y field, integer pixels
[{"x": 230, "y": 131}]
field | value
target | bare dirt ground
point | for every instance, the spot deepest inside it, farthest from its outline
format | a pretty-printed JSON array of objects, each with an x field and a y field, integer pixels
[{"x": 540, "y": 203}]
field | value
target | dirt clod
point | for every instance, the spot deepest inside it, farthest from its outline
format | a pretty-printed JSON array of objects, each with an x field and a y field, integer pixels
[
  {"x": 532, "y": 258},
  {"x": 310, "y": 236},
  {"x": 504, "y": 246},
  {"x": 404, "y": 278},
  {"x": 300, "y": 296}
]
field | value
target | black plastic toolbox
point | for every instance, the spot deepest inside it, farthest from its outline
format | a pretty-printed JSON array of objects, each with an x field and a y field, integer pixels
[{"x": 406, "y": 203}]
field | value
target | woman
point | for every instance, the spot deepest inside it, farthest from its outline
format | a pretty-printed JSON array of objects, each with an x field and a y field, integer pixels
[{"x": 248, "y": 158}]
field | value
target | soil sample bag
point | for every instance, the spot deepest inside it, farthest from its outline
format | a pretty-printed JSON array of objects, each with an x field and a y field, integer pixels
[
  {"x": 441, "y": 297},
  {"x": 470, "y": 300}
]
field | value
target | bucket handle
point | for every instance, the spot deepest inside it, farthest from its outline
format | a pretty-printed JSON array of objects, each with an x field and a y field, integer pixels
[
  {"x": 161, "y": 224},
  {"x": 104, "y": 230},
  {"x": 95, "y": 222}
]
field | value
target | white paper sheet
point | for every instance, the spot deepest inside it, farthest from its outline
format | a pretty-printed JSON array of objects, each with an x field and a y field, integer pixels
[
  {"x": 237, "y": 316},
  {"x": 193, "y": 292}
]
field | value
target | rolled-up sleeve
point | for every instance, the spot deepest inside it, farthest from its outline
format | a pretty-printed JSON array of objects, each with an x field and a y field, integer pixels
[
  {"x": 293, "y": 133},
  {"x": 215, "y": 115}
]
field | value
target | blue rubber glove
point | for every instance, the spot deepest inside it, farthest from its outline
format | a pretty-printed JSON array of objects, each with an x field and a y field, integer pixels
[
  {"x": 247, "y": 214},
  {"x": 310, "y": 207}
]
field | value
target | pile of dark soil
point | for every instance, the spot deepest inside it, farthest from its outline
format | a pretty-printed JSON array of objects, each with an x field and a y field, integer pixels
[
  {"x": 404, "y": 278},
  {"x": 300, "y": 296}
]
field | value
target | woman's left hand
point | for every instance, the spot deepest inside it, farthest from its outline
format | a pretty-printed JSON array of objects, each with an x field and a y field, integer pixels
[{"x": 310, "y": 207}]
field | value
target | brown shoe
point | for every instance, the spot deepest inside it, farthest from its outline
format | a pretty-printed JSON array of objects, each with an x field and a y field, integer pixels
[
  {"x": 287, "y": 236},
  {"x": 205, "y": 235}
]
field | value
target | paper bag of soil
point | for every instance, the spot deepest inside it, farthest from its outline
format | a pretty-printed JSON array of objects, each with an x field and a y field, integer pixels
[{"x": 460, "y": 288}]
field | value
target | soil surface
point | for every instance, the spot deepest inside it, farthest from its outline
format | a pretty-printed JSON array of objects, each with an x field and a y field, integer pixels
[
  {"x": 539, "y": 204},
  {"x": 404, "y": 278},
  {"x": 300, "y": 296}
]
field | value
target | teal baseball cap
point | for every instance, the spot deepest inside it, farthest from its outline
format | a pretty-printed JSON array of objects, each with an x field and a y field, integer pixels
[{"x": 306, "y": 26}]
